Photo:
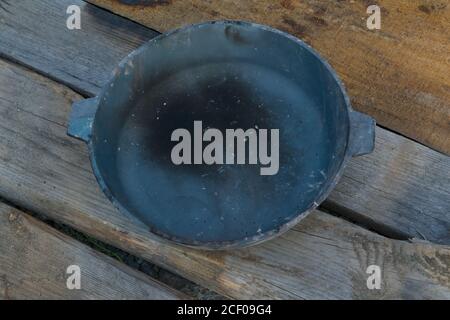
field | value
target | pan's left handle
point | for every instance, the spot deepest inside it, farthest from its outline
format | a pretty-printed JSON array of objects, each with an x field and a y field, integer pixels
[{"x": 81, "y": 118}]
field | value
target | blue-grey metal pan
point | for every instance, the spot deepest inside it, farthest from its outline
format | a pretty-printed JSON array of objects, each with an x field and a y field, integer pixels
[{"x": 226, "y": 75}]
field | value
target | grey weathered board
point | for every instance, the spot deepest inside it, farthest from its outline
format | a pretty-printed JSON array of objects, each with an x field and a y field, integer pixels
[
  {"x": 45, "y": 171},
  {"x": 402, "y": 186},
  {"x": 34, "y": 259},
  {"x": 35, "y": 33}
]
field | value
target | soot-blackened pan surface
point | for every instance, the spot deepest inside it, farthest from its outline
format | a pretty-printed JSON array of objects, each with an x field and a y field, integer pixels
[{"x": 227, "y": 75}]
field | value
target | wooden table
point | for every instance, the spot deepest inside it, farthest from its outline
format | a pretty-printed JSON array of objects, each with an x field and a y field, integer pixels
[{"x": 391, "y": 208}]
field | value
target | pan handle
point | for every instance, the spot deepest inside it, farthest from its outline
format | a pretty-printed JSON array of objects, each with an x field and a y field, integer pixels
[
  {"x": 81, "y": 118},
  {"x": 362, "y": 134}
]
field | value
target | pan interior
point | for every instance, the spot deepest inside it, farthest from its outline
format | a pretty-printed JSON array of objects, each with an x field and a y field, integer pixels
[{"x": 228, "y": 77}]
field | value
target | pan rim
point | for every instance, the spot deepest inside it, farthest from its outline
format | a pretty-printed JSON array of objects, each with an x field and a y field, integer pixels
[{"x": 243, "y": 242}]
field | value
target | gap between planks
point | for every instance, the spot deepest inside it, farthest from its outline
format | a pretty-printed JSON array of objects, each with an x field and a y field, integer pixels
[
  {"x": 34, "y": 259},
  {"x": 186, "y": 288}
]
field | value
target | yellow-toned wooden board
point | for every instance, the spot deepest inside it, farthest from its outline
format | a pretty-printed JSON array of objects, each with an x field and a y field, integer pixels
[
  {"x": 400, "y": 74},
  {"x": 34, "y": 262}
]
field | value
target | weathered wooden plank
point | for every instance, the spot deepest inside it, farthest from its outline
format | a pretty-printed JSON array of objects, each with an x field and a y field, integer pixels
[
  {"x": 399, "y": 74},
  {"x": 45, "y": 171},
  {"x": 402, "y": 185},
  {"x": 34, "y": 259},
  {"x": 35, "y": 33}
]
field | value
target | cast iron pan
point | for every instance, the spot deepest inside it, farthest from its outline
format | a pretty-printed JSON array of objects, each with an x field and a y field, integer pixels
[{"x": 228, "y": 75}]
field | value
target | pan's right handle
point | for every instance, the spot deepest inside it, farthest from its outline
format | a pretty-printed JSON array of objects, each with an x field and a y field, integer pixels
[
  {"x": 362, "y": 133},
  {"x": 81, "y": 118}
]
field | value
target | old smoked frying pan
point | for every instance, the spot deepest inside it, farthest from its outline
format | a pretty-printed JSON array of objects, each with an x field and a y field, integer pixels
[{"x": 228, "y": 75}]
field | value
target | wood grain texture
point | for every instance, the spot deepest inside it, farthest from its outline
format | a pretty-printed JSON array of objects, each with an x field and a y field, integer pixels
[
  {"x": 35, "y": 33},
  {"x": 400, "y": 74},
  {"x": 402, "y": 185},
  {"x": 34, "y": 259},
  {"x": 323, "y": 257}
]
